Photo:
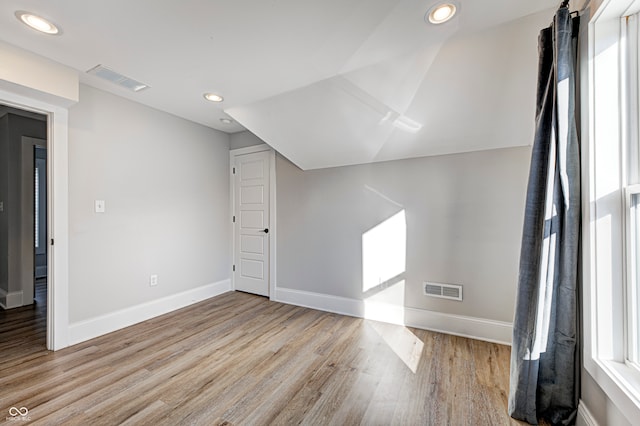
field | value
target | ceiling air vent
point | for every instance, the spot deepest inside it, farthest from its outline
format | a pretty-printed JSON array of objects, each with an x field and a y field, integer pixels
[
  {"x": 117, "y": 78},
  {"x": 443, "y": 291}
]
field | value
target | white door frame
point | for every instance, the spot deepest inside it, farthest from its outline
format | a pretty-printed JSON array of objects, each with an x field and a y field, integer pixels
[
  {"x": 272, "y": 210},
  {"x": 57, "y": 210}
]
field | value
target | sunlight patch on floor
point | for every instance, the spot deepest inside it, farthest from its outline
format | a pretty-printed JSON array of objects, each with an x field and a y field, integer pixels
[
  {"x": 406, "y": 345},
  {"x": 387, "y": 305}
]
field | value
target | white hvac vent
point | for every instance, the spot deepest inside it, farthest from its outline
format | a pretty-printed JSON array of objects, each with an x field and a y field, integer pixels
[
  {"x": 443, "y": 291},
  {"x": 117, "y": 78}
]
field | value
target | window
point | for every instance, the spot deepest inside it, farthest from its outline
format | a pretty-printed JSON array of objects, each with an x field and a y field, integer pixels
[
  {"x": 633, "y": 274},
  {"x": 36, "y": 193},
  {"x": 611, "y": 209},
  {"x": 630, "y": 79}
]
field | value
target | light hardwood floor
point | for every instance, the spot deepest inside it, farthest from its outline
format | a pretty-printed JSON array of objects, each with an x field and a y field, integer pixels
[
  {"x": 23, "y": 330},
  {"x": 241, "y": 359}
]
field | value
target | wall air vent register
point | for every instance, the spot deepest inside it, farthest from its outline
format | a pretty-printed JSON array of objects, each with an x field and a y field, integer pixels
[{"x": 443, "y": 291}]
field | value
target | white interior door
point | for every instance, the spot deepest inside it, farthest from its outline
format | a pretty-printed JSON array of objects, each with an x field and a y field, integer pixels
[{"x": 251, "y": 222}]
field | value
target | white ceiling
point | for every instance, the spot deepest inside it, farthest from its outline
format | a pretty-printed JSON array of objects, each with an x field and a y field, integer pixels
[{"x": 322, "y": 81}]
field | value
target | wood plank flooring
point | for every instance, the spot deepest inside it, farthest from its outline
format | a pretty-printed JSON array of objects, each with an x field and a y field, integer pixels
[
  {"x": 240, "y": 359},
  {"x": 23, "y": 331}
]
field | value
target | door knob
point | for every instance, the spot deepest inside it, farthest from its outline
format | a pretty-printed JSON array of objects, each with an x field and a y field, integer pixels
[{"x": 265, "y": 230}]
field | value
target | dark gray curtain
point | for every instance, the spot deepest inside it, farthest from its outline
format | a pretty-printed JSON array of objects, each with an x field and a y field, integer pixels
[{"x": 544, "y": 355}]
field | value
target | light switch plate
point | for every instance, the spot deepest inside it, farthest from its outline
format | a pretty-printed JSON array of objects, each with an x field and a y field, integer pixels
[{"x": 99, "y": 206}]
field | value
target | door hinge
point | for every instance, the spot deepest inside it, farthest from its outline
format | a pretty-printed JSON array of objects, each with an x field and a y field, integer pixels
[
  {"x": 234, "y": 219},
  {"x": 52, "y": 241},
  {"x": 234, "y": 268},
  {"x": 234, "y": 170}
]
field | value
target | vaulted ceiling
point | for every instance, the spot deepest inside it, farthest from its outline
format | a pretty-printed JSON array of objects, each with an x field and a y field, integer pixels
[{"x": 325, "y": 82}]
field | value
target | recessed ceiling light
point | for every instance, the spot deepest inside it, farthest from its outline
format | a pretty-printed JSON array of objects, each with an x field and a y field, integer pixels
[
  {"x": 38, "y": 23},
  {"x": 213, "y": 97},
  {"x": 441, "y": 13},
  {"x": 226, "y": 120}
]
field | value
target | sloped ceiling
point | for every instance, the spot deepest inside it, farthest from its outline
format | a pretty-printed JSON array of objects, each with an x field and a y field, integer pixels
[{"x": 325, "y": 82}]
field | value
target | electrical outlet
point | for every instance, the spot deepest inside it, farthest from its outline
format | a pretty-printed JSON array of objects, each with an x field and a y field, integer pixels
[{"x": 153, "y": 280}]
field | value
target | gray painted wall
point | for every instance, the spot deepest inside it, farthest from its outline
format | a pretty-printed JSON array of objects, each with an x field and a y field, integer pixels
[
  {"x": 13, "y": 127},
  {"x": 601, "y": 407},
  {"x": 243, "y": 140},
  {"x": 4, "y": 190},
  {"x": 165, "y": 182},
  {"x": 464, "y": 216}
]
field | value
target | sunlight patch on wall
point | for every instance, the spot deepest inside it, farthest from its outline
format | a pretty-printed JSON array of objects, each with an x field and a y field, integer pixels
[{"x": 384, "y": 251}]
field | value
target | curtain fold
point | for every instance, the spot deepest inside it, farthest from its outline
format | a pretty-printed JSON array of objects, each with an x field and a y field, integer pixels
[{"x": 544, "y": 354}]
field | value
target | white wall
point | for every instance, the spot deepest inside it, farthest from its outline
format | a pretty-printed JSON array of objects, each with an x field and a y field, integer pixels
[
  {"x": 165, "y": 183},
  {"x": 34, "y": 75},
  {"x": 464, "y": 216}
]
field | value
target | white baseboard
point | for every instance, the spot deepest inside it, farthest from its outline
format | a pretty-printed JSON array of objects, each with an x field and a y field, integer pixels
[
  {"x": 94, "y": 327},
  {"x": 322, "y": 302},
  {"x": 10, "y": 300},
  {"x": 585, "y": 418},
  {"x": 3, "y": 298},
  {"x": 474, "y": 328}
]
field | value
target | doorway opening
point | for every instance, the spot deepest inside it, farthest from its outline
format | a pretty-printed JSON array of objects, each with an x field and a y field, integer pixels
[{"x": 23, "y": 230}]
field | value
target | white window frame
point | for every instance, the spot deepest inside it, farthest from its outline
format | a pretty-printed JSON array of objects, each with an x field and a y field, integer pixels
[
  {"x": 606, "y": 197},
  {"x": 631, "y": 315}
]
